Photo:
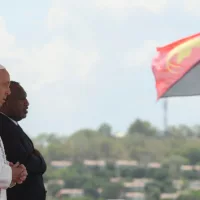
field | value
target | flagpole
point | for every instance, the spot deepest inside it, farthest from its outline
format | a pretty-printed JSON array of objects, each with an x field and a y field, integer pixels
[{"x": 165, "y": 119}]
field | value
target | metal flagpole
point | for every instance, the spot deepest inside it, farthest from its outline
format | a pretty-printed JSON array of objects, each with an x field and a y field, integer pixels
[{"x": 165, "y": 119}]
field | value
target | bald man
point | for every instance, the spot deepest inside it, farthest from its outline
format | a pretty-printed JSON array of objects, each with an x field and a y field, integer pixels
[{"x": 10, "y": 173}]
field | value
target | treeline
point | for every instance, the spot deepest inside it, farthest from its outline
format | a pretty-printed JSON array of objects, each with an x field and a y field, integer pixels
[
  {"x": 142, "y": 142},
  {"x": 138, "y": 144}
]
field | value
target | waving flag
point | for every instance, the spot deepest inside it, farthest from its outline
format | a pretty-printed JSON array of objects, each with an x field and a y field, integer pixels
[{"x": 176, "y": 68}]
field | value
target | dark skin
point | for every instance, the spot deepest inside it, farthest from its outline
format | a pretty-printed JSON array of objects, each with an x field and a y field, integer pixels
[{"x": 16, "y": 107}]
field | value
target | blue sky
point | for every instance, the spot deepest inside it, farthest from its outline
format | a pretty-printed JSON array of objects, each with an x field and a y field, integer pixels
[{"x": 87, "y": 62}]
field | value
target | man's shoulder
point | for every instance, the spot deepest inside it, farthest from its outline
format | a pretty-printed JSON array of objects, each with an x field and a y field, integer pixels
[
  {"x": 3, "y": 115},
  {"x": 3, "y": 118},
  {"x": 6, "y": 125}
]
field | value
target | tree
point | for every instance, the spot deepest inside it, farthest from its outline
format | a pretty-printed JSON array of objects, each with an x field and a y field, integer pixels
[
  {"x": 112, "y": 191},
  {"x": 142, "y": 127},
  {"x": 180, "y": 148},
  {"x": 152, "y": 191},
  {"x": 54, "y": 188},
  {"x": 181, "y": 131},
  {"x": 193, "y": 155},
  {"x": 92, "y": 192},
  {"x": 193, "y": 195},
  {"x": 173, "y": 164},
  {"x": 105, "y": 129},
  {"x": 162, "y": 181}
]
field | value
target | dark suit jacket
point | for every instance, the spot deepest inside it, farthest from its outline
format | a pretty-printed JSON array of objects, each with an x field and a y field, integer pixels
[{"x": 19, "y": 147}]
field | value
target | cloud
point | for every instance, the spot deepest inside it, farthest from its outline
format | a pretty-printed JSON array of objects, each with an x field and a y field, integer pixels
[
  {"x": 56, "y": 74},
  {"x": 63, "y": 12},
  {"x": 141, "y": 56},
  {"x": 7, "y": 40},
  {"x": 51, "y": 62},
  {"x": 192, "y": 6},
  {"x": 57, "y": 15},
  {"x": 124, "y": 6},
  {"x": 58, "y": 60}
]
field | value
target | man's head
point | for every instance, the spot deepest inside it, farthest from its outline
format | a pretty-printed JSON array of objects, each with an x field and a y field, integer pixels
[
  {"x": 4, "y": 85},
  {"x": 16, "y": 105}
]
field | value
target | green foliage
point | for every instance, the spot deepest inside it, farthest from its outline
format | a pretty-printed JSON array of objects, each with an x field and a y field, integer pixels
[
  {"x": 193, "y": 155},
  {"x": 112, "y": 191},
  {"x": 142, "y": 143},
  {"x": 193, "y": 195},
  {"x": 152, "y": 191},
  {"x": 105, "y": 129},
  {"x": 173, "y": 165},
  {"x": 54, "y": 188},
  {"x": 79, "y": 198},
  {"x": 142, "y": 127}
]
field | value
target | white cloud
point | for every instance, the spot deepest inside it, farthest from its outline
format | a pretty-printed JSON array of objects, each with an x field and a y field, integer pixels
[
  {"x": 57, "y": 16},
  {"x": 192, "y": 6},
  {"x": 51, "y": 62},
  {"x": 141, "y": 56},
  {"x": 124, "y": 6},
  {"x": 63, "y": 12},
  {"x": 58, "y": 60},
  {"x": 6, "y": 39}
]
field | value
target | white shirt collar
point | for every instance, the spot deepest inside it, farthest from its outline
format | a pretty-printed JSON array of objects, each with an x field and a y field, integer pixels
[{"x": 10, "y": 119}]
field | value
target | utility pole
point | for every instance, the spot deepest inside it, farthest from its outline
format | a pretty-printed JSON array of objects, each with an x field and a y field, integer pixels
[{"x": 165, "y": 117}]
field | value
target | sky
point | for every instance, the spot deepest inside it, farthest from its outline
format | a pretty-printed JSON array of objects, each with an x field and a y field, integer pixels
[{"x": 83, "y": 63}]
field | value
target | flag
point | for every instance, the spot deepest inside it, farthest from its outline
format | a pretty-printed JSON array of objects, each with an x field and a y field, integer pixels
[{"x": 176, "y": 68}]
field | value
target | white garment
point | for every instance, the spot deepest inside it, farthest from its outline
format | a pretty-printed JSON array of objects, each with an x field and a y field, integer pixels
[{"x": 5, "y": 173}]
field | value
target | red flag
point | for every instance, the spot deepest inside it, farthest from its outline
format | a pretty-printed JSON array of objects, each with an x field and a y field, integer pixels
[{"x": 174, "y": 61}]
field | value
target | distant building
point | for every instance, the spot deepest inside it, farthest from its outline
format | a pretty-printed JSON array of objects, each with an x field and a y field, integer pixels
[
  {"x": 72, "y": 193},
  {"x": 126, "y": 163},
  {"x": 194, "y": 185},
  {"x": 115, "y": 179},
  {"x": 190, "y": 168},
  {"x": 56, "y": 182},
  {"x": 95, "y": 163},
  {"x": 154, "y": 165},
  {"x": 61, "y": 164},
  {"x": 197, "y": 167},
  {"x": 137, "y": 185},
  {"x": 141, "y": 196},
  {"x": 134, "y": 196},
  {"x": 187, "y": 167},
  {"x": 168, "y": 196}
]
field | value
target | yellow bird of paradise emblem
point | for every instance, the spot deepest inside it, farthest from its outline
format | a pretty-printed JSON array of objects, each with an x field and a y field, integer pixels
[{"x": 181, "y": 52}]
